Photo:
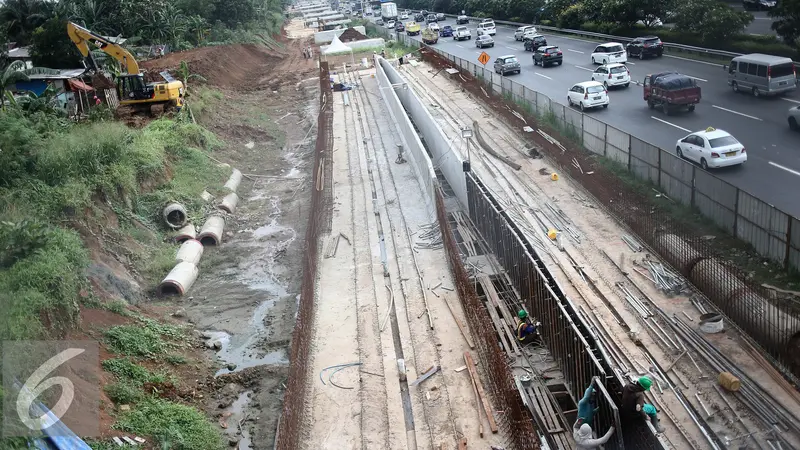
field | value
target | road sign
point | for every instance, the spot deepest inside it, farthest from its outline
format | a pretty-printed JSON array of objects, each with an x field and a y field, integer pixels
[{"x": 483, "y": 58}]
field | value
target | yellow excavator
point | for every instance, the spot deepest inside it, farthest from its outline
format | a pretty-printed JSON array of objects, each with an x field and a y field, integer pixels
[{"x": 132, "y": 89}]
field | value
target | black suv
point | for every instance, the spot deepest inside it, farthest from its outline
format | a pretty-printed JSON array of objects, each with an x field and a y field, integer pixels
[
  {"x": 544, "y": 56},
  {"x": 645, "y": 46},
  {"x": 419, "y": 18},
  {"x": 534, "y": 42},
  {"x": 461, "y": 20}
]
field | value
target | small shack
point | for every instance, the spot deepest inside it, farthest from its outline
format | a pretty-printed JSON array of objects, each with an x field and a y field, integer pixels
[{"x": 74, "y": 94}]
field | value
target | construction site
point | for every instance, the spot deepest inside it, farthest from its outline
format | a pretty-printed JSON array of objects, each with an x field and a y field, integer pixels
[
  {"x": 439, "y": 214},
  {"x": 403, "y": 258}
]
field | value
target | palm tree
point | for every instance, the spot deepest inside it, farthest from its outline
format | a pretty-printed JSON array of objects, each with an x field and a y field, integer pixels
[
  {"x": 21, "y": 17},
  {"x": 16, "y": 72}
]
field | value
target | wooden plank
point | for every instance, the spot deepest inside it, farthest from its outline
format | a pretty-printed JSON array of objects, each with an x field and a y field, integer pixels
[
  {"x": 485, "y": 401},
  {"x": 461, "y": 326},
  {"x": 501, "y": 325},
  {"x": 533, "y": 393},
  {"x": 498, "y": 326},
  {"x": 478, "y": 406}
]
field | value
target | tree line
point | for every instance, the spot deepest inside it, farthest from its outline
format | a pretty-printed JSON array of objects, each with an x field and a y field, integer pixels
[
  {"x": 710, "y": 23},
  {"x": 179, "y": 23}
]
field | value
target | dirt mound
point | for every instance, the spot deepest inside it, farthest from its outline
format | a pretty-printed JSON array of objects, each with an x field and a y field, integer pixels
[
  {"x": 350, "y": 35},
  {"x": 238, "y": 66}
]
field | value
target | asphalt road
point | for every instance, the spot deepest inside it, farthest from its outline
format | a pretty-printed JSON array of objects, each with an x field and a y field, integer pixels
[
  {"x": 761, "y": 24},
  {"x": 772, "y": 172}
]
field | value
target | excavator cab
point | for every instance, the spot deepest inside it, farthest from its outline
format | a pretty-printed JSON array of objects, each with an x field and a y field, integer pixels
[{"x": 133, "y": 87}]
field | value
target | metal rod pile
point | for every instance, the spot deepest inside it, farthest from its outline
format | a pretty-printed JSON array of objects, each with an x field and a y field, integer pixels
[
  {"x": 762, "y": 404},
  {"x": 635, "y": 302},
  {"x": 562, "y": 222},
  {"x": 430, "y": 237},
  {"x": 664, "y": 279}
]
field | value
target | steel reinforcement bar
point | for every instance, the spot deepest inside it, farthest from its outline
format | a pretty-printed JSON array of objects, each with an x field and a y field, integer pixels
[
  {"x": 514, "y": 419},
  {"x": 290, "y": 434},
  {"x": 563, "y": 329}
]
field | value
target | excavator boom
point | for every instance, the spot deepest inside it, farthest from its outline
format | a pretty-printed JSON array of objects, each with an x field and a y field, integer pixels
[{"x": 81, "y": 37}]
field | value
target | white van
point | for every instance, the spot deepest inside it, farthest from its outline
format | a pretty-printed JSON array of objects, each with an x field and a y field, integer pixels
[
  {"x": 487, "y": 27},
  {"x": 762, "y": 74}
]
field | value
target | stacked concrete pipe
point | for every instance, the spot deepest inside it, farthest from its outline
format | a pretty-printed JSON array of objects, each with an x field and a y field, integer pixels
[
  {"x": 754, "y": 313},
  {"x": 185, "y": 272}
]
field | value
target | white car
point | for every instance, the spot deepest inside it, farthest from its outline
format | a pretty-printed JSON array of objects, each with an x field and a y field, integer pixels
[
  {"x": 404, "y": 16},
  {"x": 522, "y": 31},
  {"x": 389, "y": 24},
  {"x": 611, "y": 52},
  {"x": 712, "y": 148},
  {"x": 487, "y": 27},
  {"x": 433, "y": 26},
  {"x": 612, "y": 75},
  {"x": 794, "y": 118},
  {"x": 588, "y": 94}
]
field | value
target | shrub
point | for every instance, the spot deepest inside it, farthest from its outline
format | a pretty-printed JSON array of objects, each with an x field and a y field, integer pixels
[
  {"x": 123, "y": 392},
  {"x": 172, "y": 425},
  {"x": 133, "y": 340}
]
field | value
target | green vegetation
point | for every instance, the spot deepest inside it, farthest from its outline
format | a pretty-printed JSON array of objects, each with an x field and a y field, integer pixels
[
  {"x": 173, "y": 425},
  {"x": 703, "y": 23}
]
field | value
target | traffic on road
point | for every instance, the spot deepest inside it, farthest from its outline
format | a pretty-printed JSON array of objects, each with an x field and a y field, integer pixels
[{"x": 760, "y": 124}]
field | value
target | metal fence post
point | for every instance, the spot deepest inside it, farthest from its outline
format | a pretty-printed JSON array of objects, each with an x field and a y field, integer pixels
[
  {"x": 630, "y": 145},
  {"x": 694, "y": 186},
  {"x": 659, "y": 167},
  {"x": 736, "y": 215},
  {"x": 788, "y": 242}
]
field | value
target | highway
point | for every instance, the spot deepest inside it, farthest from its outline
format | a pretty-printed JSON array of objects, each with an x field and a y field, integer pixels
[{"x": 772, "y": 172}]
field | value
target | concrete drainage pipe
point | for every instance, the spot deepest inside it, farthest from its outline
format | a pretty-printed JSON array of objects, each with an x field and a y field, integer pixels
[
  {"x": 191, "y": 251},
  {"x": 186, "y": 233},
  {"x": 211, "y": 233},
  {"x": 233, "y": 182},
  {"x": 678, "y": 252},
  {"x": 179, "y": 279},
  {"x": 228, "y": 203},
  {"x": 175, "y": 215}
]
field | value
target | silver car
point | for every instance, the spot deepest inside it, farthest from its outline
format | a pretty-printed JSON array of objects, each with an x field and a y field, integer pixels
[
  {"x": 506, "y": 64},
  {"x": 484, "y": 41}
]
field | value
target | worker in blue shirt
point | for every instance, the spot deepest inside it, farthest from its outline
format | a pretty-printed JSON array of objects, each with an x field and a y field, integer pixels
[
  {"x": 587, "y": 405},
  {"x": 527, "y": 332}
]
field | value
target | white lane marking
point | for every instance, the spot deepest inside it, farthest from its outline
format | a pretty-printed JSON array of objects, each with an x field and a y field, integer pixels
[
  {"x": 459, "y": 45},
  {"x": 790, "y": 100},
  {"x": 574, "y": 51},
  {"x": 510, "y": 48},
  {"x": 737, "y": 112},
  {"x": 584, "y": 68},
  {"x": 694, "y": 60},
  {"x": 784, "y": 168},
  {"x": 670, "y": 124},
  {"x": 698, "y": 79},
  {"x": 762, "y": 18},
  {"x": 543, "y": 76}
]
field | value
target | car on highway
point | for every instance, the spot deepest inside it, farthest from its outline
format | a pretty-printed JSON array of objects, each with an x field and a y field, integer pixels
[
  {"x": 430, "y": 37},
  {"x": 413, "y": 28},
  {"x": 462, "y": 33},
  {"x": 389, "y": 25},
  {"x": 404, "y": 16},
  {"x": 440, "y": 17},
  {"x": 671, "y": 91},
  {"x": 430, "y": 18},
  {"x": 446, "y": 31},
  {"x": 610, "y": 52},
  {"x": 759, "y": 5},
  {"x": 520, "y": 32},
  {"x": 433, "y": 26},
  {"x": 712, "y": 149},
  {"x": 794, "y": 118},
  {"x": 484, "y": 41},
  {"x": 399, "y": 27},
  {"x": 462, "y": 19},
  {"x": 419, "y": 17},
  {"x": 645, "y": 46},
  {"x": 762, "y": 74},
  {"x": 379, "y": 22},
  {"x": 547, "y": 55},
  {"x": 533, "y": 42},
  {"x": 487, "y": 27},
  {"x": 612, "y": 75},
  {"x": 506, "y": 64},
  {"x": 588, "y": 94}
]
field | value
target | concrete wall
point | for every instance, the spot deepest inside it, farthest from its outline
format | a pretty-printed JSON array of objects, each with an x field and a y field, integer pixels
[
  {"x": 440, "y": 147},
  {"x": 359, "y": 45},
  {"x": 326, "y": 37},
  {"x": 413, "y": 150}
]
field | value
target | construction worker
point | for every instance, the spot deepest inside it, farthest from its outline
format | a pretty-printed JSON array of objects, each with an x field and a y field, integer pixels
[
  {"x": 584, "y": 440},
  {"x": 633, "y": 404},
  {"x": 587, "y": 406},
  {"x": 527, "y": 332}
]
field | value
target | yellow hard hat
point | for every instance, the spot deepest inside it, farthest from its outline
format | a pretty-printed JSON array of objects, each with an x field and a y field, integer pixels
[{"x": 554, "y": 176}]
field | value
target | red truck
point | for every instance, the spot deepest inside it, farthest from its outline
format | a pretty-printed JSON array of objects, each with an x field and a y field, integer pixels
[{"x": 671, "y": 91}]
